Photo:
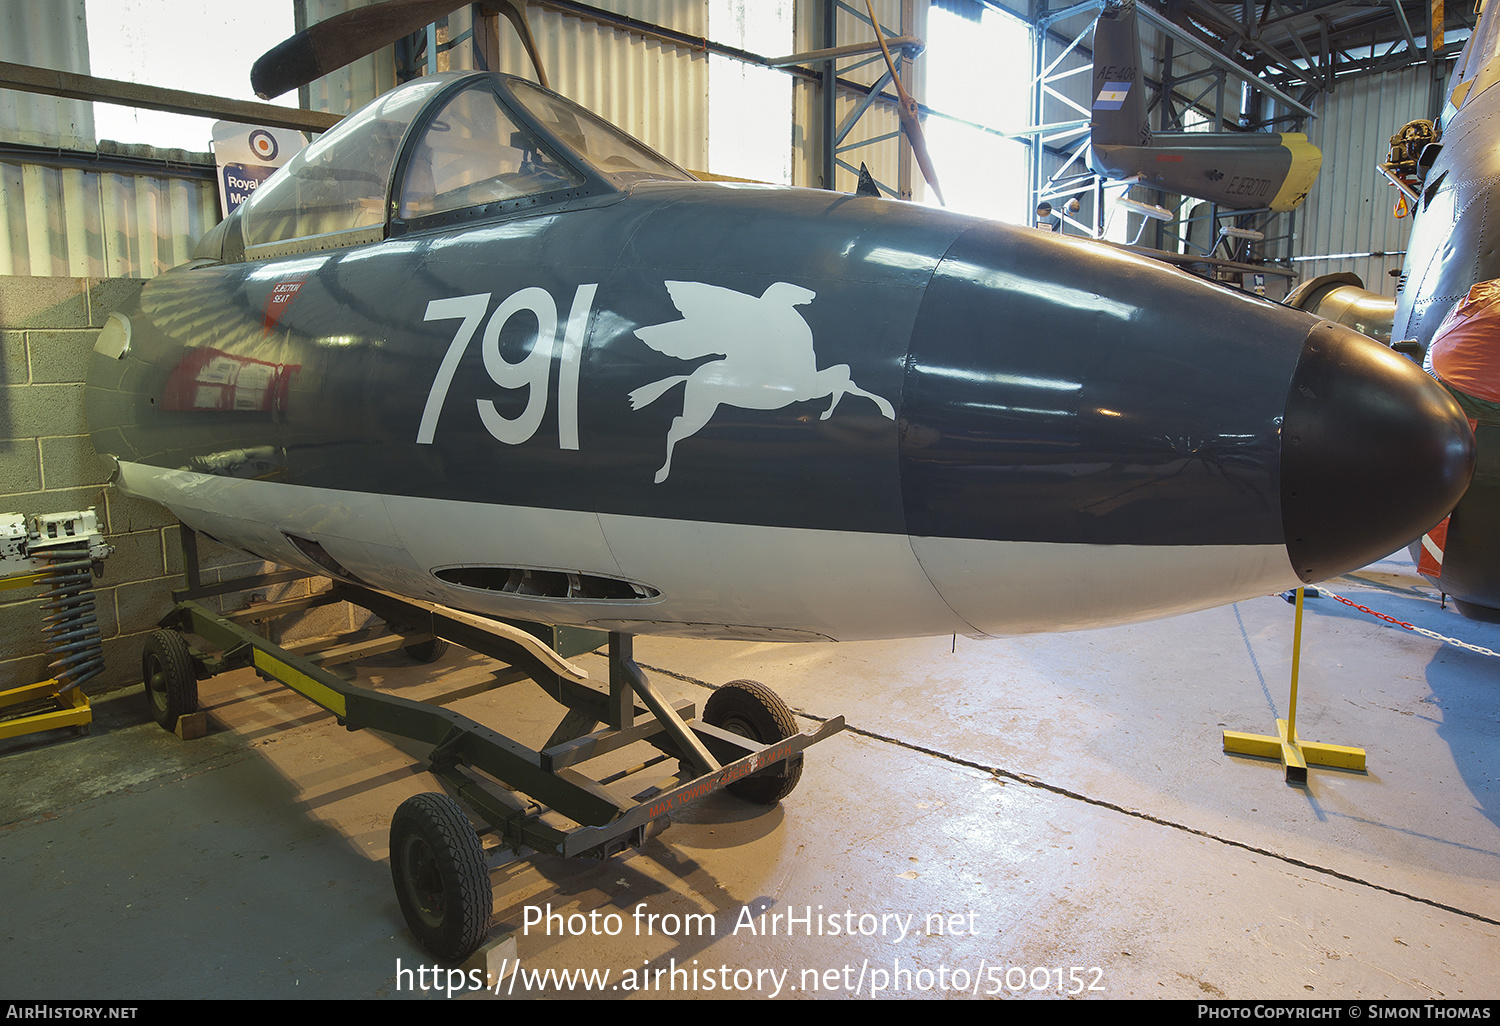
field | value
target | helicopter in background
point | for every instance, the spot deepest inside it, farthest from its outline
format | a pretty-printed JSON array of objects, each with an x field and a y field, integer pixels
[{"x": 1237, "y": 170}]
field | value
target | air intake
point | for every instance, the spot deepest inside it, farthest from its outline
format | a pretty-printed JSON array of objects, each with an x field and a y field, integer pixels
[{"x": 554, "y": 584}]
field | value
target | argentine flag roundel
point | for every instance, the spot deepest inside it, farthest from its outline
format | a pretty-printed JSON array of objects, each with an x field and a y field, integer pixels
[{"x": 1112, "y": 96}]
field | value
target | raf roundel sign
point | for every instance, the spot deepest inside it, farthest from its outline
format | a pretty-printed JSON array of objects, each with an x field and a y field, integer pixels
[
  {"x": 263, "y": 145},
  {"x": 248, "y": 156}
]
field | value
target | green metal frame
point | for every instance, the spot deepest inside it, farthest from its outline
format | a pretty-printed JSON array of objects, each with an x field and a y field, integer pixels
[{"x": 481, "y": 767}]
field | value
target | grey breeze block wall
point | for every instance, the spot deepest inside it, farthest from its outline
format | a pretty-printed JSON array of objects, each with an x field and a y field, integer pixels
[{"x": 48, "y": 465}]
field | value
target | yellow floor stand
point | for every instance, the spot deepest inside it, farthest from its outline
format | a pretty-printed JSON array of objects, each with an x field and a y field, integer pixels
[
  {"x": 1295, "y": 754},
  {"x": 72, "y": 709},
  {"x": 71, "y": 704}
]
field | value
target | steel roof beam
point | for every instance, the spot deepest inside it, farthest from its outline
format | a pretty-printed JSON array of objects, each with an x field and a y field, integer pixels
[
  {"x": 1252, "y": 39},
  {"x": 1208, "y": 50}
]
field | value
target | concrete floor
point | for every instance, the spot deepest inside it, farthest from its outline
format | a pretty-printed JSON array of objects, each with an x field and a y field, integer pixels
[{"x": 1019, "y": 807}]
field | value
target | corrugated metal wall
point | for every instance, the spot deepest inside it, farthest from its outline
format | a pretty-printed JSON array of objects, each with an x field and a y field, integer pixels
[
  {"x": 1347, "y": 217},
  {"x": 71, "y": 222},
  {"x": 657, "y": 91},
  {"x": 79, "y": 222},
  {"x": 82, "y": 223},
  {"x": 353, "y": 85}
]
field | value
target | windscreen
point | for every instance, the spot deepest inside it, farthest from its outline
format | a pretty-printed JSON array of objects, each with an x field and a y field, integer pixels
[
  {"x": 472, "y": 154},
  {"x": 339, "y": 182},
  {"x": 614, "y": 154}
]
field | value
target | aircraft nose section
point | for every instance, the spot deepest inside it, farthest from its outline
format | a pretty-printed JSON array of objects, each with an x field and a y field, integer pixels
[{"x": 1374, "y": 452}]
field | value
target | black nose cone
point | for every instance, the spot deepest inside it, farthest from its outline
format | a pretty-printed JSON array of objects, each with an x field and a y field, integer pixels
[{"x": 1373, "y": 453}]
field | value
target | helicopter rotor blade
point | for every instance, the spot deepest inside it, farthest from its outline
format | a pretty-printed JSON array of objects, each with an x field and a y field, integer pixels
[
  {"x": 907, "y": 109},
  {"x": 340, "y": 40},
  {"x": 515, "y": 10}
]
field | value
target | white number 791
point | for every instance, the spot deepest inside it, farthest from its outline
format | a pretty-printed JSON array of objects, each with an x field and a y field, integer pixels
[{"x": 532, "y": 372}]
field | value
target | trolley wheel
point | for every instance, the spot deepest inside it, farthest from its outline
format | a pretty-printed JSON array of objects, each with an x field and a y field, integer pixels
[
  {"x": 750, "y": 709},
  {"x": 442, "y": 881},
  {"x": 429, "y": 651},
  {"x": 171, "y": 682}
]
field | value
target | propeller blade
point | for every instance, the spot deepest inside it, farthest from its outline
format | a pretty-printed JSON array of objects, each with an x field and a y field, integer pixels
[
  {"x": 907, "y": 110},
  {"x": 340, "y": 40},
  {"x": 515, "y": 10}
]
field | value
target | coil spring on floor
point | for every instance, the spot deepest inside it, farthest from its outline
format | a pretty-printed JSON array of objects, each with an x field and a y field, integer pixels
[{"x": 70, "y": 624}]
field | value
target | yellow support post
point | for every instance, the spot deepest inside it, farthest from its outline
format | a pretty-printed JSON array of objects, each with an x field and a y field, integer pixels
[{"x": 1294, "y": 753}]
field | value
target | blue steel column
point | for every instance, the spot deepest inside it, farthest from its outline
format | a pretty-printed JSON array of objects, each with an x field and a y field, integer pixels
[
  {"x": 830, "y": 91},
  {"x": 1038, "y": 62}
]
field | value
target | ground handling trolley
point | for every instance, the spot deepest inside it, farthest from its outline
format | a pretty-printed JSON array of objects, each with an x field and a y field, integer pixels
[{"x": 746, "y": 742}]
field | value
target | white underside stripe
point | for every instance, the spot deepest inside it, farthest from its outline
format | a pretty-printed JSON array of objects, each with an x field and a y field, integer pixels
[{"x": 720, "y": 580}]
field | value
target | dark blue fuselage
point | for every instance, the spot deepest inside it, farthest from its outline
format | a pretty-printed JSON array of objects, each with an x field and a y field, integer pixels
[
  {"x": 1010, "y": 376},
  {"x": 750, "y": 411}
]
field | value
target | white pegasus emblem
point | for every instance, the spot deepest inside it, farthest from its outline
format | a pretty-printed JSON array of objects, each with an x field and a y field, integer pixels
[{"x": 768, "y": 357}]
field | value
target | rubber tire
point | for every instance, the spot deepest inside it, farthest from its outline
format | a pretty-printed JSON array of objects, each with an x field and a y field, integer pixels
[
  {"x": 170, "y": 679},
  {"x": 442, "y": 881},
  {"x": 750, "y": 709},
  {"x": 429, "y": 651}
]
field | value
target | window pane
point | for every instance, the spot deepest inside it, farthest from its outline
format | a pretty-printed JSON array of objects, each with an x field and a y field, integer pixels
[
  {"x": 339, "y": 181},
  {"x": 612, "y": 153},
  {"x": 473, "y": 154},
  {"x": 982, "y": 77}
]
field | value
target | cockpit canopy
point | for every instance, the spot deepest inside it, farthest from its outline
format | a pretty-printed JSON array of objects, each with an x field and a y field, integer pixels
[{"x": 438, "y": 151}]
